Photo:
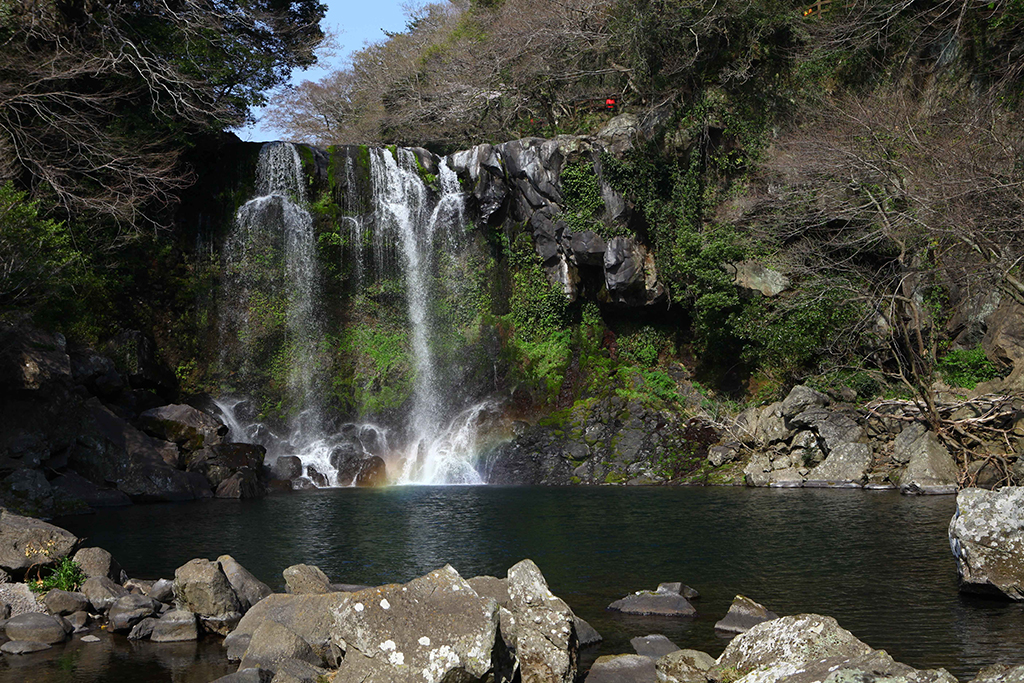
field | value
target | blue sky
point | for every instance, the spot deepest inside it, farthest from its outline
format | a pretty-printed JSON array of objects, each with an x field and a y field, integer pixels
[{"x": 356, "y": 22}]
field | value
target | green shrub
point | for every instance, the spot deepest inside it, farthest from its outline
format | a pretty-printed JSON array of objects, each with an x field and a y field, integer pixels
[
  {"x": 966, "y": 367},
  {"x": 65, "y": 575}
]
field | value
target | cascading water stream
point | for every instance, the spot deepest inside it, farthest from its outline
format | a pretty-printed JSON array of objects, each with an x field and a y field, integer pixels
[
  {"x": 270, "y": 265},
  {"x": 436, "y": 452}
]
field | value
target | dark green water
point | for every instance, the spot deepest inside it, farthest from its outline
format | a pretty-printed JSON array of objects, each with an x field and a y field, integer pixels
[{"x": 876, "y": 561}]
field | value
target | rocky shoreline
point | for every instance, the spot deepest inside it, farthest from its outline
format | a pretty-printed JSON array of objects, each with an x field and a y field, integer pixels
[{"x": 443, "y": 627}]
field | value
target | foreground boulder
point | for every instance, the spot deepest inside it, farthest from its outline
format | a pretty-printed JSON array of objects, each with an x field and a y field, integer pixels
[
  {"x": 434, "y": 628},
  {"x": 543, "y": 634},
  {"x": 684, "y": 666},
  {"x": 309, "y": 616},
  {"x": 25, "y": 541},
  {"x": 986, "y": 536},
  {"x": 809, "y": 648},
  {"x": 201, "y": 587}
]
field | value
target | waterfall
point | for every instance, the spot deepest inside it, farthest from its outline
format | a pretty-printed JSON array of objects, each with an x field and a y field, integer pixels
[
  {"x": 271, "y": 329},
  {"x": 438, "y": 451},
  {"x": 272, "y": 289}
]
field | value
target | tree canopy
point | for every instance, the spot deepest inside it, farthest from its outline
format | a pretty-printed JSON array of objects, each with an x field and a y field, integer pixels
[{"x": 99, "y": 97}]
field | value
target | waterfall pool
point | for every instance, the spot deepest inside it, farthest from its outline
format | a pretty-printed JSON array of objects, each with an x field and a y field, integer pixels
[{"x": 876, "y": 561}]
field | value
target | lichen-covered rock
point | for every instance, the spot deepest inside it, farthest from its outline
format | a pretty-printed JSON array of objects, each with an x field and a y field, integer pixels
[
  {"x": 986, "y": 536},
  {"x": 930, "y": 467},
  {"x": 684, "y": 666},
  {"x": 777, "y": 649},
  {"x": 434, "y": 628},
  {"x": 544, "y": 636},
  {"x": 1000, "y": 673},
  {"x": 25, "y": 541},
  {"x": 755, "y": 277},
  {"x": 846, "y": 466},
  {"x": 200, "y": 586},
  {"x": 743, "y": 614}
]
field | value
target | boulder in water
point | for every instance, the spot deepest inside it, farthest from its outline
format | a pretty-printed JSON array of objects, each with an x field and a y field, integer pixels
[
  {"x": 37, "y": 627},
  {"x": 287, "y": 467},
  {"x": 102, "y": 592},
  {"x": 986, "y": 535},
  {"x": 303, "y": 579},
  {"x": 662, "y": 602},
  {"x": 743, "y": 614},
  {"x": 129, "y": 610},
  {"x": 175, "y": 626},
  {"x": 654, "y": 646}
]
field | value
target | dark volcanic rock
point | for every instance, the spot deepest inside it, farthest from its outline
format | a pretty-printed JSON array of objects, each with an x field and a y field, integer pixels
[{"x": 191, "y": 429}]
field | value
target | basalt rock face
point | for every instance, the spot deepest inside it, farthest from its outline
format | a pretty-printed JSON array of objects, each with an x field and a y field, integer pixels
[
  {"x": 80, "y": 429},
  {"x": 521, "y": 181}
]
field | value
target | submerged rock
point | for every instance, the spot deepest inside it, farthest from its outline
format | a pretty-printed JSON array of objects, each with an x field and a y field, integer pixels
[
  {"x": 986, "y": 536},
  {"x": 654, "y": 646}
]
